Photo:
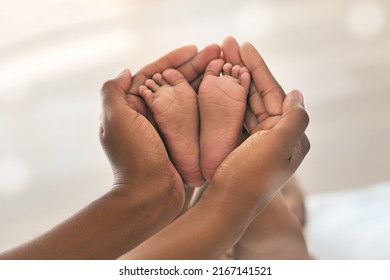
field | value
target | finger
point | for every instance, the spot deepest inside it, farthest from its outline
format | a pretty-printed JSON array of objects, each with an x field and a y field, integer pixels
[
  {"x": 115, "y": 104},
  {"x": 245, "y": 78},
  {"x": 266, "y": 85},
  {"x": 137, "y": 104},
  {"x": 304, "y": 144},
  {"x": 231, "y": 51},
  {"x": 114, "y": 90},
  {"x": 172, "y": 59},
  {"x": 193, "y": 68},
  {"x": 256, "y": 103},
  {"x": 256, "y": 111},
  {"x": 293, "y": 122},
  {"x": 196, "y": 83},
  {"x": 299, "y": 153},
  {"x": 231, "y": 54},
  {"x": 250, "y": 121}
]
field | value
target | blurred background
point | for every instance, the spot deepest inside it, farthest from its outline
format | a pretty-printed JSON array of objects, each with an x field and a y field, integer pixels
[{"x": 55, "y": 54}]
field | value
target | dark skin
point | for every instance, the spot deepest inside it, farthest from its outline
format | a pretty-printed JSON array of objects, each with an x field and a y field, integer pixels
[
  {"x": 249, "y": 178},
  {"x": 135, "y": 208},
  {"x": 275, "y": 233},
  {"x": 241, "y": 188}
]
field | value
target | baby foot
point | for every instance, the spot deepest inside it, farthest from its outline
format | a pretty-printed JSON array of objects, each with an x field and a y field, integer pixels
[
  {"x": 222, "y": 104},
  {"x": 174, "y": 106}
]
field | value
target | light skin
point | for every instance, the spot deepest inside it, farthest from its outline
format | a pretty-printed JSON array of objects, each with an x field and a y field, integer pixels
[
  {"x": 135, "y": 208},
  {"x": 222, "y": 103},
  {"x": 174, "y": 105},
  {"x": 186, "y": 60}
]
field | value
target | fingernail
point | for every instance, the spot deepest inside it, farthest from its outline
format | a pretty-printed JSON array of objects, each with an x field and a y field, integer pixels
[
  {"x": 298, "y": 96},
  {"x": 122, "y": 72}
]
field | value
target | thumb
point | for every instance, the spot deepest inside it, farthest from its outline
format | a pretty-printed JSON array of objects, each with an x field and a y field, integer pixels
[
  {"x": 293, "y": 98},
  {"x": 292, "y": 125},
  {"x": 116, "y": 88},
  {"x": 123, "y": 78}
]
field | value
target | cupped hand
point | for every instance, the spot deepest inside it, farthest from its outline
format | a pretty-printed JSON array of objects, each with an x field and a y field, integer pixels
[
  {"x": 132, "y": 144},
  {"x": 191, "y": 64},
  {"x": 261, "y": 165},
  {"x": 187, "y": 60},
  {"x": 265, "y": 96}
]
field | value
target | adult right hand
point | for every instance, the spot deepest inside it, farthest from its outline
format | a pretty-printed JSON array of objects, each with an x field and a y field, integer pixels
[
  {"x": 241, "y": 187},
  {"x": 253, "y": 173}
]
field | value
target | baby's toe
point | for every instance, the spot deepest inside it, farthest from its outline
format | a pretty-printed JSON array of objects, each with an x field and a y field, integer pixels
[
  {"x": 214, "y": 68},
  {"x": 227, "y": 68},
  {"x": 236, "y": 71},
  {"x": 152, "y": 85},
  {"x": 147, "y": 95},
  {"x": 244, "y": 70},
  {"x": 174, "y": 77},
  {"x": 159, "y": 80},
  {"x": 141, "y": 89}
]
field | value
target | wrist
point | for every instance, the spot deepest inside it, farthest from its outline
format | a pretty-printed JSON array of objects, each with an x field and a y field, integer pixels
[
  {"x": 231, "y": 212},
  {"x": 108, "y": 227},
  {"x": 165, "y": 193},
  {"x": 238, "y": 199}
]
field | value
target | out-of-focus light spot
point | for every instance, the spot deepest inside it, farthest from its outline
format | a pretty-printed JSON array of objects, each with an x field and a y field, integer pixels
[
  {"x": 53, "y": 59},
  {"x": 14, "y": 175},
  {"x": 255, "y": 20},
  {"x": 366, "y": 19}
]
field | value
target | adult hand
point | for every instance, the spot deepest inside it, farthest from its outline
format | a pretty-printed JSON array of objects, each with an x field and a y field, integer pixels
[
  {"x": 133, "y": 146},
  {"x": 266, "y": 99},
  {"x": 147, "y": 193},
  {"x": 240, "y": 189},
  {"x": 263, "y": 163},
  {"x": 265, "y": 95},
  {"x": 187, "y": 60},
  {"x": 244, "y": 183},
  {"x": 263, "y": 111}
]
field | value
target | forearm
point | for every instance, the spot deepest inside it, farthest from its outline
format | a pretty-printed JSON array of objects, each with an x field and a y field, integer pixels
[
  {"x": 204, "y": 232},
  {"x": 274, "y": 234},
  {"x": 108, "y": 227}
]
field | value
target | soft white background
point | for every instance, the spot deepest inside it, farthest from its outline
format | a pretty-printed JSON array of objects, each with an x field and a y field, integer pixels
[{"x": 54, "y": 56}]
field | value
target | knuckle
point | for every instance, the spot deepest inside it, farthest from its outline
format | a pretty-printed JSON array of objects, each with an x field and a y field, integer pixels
[
  {"x": 306, "y": 144},
  {"x": 101, "y": 134},
  {"x": 302, "y": 114},
  {"x": 303, "y": 147},
  {"x": 108, "y": 86}
]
